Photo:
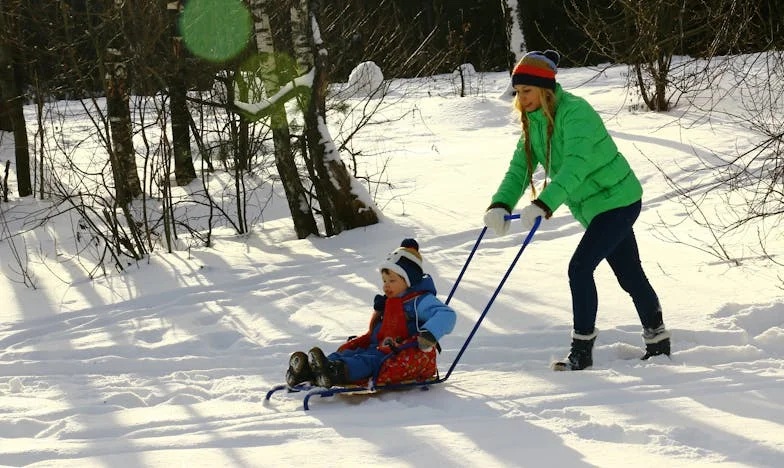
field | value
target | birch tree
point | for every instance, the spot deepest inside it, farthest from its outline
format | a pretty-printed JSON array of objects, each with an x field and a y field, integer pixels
[
  {"x": 514, "y": 31},
  {"x": 301, "y": 213},
  {"x": 343, "y": 204},
  {"x": 121, "y": 152}
]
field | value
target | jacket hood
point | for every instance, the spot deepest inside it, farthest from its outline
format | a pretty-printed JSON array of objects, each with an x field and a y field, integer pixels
[{"x": 426, "y": 284}]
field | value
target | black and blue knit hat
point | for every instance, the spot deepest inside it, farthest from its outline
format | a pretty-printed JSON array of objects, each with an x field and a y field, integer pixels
[{"x": 406, "y": 261}]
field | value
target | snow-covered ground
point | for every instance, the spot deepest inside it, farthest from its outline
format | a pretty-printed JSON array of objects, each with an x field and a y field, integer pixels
[{"x": 168, "y": 363}]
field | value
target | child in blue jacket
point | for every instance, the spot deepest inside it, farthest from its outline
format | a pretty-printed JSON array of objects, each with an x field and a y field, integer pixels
[{"x": 408, "y": 312}]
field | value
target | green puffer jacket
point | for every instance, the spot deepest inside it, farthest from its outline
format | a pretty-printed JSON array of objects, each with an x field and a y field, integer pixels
[{"x": 587, "y": 172}]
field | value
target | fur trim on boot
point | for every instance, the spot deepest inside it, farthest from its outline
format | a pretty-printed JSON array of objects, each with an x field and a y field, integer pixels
[
  {"x": 581, "y": 353},
  {"x": 657, "y": 342}
]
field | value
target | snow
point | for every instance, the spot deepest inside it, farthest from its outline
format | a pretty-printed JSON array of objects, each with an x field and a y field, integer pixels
[
  {"x": 168, "y": 363},
  {"x": 258, "y": 108},
  {"x": 364, "y": 80}
]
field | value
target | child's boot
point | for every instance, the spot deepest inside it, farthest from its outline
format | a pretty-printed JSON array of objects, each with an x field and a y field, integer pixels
[
  {"x": 335, "y": 374},
  {"x": 657, "y": 341},
  {"x": 581, "y": 354},
  {"x": 326, "y": 373},
  {"x": 299, "y": 369}
]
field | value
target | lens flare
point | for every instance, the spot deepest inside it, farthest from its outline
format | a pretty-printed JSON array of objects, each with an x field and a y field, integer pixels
[{"x": 215, "y": 30}]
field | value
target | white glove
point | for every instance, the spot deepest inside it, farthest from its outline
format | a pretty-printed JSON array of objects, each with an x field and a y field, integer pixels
[
  {"x": 494, "y": 219},
  {"x": 529, "y": 214}
]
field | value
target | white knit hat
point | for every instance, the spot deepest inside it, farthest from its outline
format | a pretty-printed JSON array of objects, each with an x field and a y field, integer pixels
[{"x": 406, "y": 261}]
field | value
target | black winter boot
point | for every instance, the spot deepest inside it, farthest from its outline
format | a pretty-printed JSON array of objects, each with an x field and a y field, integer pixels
[
  {"x": 299, "y": 369},
  {"x": 657, "y": 342},
  {"x": 334, "y": 375},
  {"x": 581, "y": 354},
  {"x": 326, "y": 373}
]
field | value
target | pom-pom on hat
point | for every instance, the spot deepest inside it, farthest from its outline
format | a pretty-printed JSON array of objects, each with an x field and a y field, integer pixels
[
  {"x": 537, "y": 69},
  {"x": 406, "y": 261}
]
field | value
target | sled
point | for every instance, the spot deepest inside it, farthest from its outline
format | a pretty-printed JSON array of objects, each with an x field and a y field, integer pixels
[
  {"x": 351, "y": 390},
  {"x": 371, "y": 387}
]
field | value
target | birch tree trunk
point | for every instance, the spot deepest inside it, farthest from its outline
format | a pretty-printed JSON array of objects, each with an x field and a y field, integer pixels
[
  {"x": 514, "y": 31},
  {"x": 301, "y": 214},
  {"x": 122, "y": 156},
  {"x": 184, "y": 172},
  {"x": 300, "y": 33},
  {"x": 121, "y": 153},
  {"x": 342, "y": 202}
]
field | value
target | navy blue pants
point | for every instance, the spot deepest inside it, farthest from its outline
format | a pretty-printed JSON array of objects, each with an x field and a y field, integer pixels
[
  {"x": 610, "y": 236},
  {"x": 360, "y": 363}
]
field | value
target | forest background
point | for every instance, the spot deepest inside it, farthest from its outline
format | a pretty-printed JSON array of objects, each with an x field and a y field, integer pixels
[{"x": 243, "y": 86}]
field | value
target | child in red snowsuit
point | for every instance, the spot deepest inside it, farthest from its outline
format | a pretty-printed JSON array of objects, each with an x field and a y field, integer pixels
[{"x": 408, "y": 320}]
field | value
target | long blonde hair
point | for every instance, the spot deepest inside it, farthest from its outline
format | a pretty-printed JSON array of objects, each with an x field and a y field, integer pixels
[{"x": 547, "y": 101}]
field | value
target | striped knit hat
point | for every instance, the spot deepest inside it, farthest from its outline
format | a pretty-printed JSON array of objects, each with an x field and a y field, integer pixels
[
  {"x": 406, "y": 261},
  {"x": 537, "y": 69}
]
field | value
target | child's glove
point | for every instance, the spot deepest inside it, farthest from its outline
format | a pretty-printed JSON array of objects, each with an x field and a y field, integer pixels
[
  {"x": 426, "y": 341},
  {"x": 494, "y": 219},
  {"x": 379, "y": 302},
  {"x": 388, "y": 345}
]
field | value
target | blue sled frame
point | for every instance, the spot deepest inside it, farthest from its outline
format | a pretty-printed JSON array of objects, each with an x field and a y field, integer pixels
[
  {"x": 424, "y": 385},
  {"x": 328, "y": 392}
]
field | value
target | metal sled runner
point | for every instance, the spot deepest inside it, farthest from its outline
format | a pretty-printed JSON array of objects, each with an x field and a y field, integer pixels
[{"x": 424, "y": 385}]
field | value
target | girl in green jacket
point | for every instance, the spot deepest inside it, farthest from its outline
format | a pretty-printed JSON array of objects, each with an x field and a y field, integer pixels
[{"x": 563, "y": 134}]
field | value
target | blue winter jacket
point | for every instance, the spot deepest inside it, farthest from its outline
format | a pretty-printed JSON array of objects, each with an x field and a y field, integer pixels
[{"x": 426, "y": 310}]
